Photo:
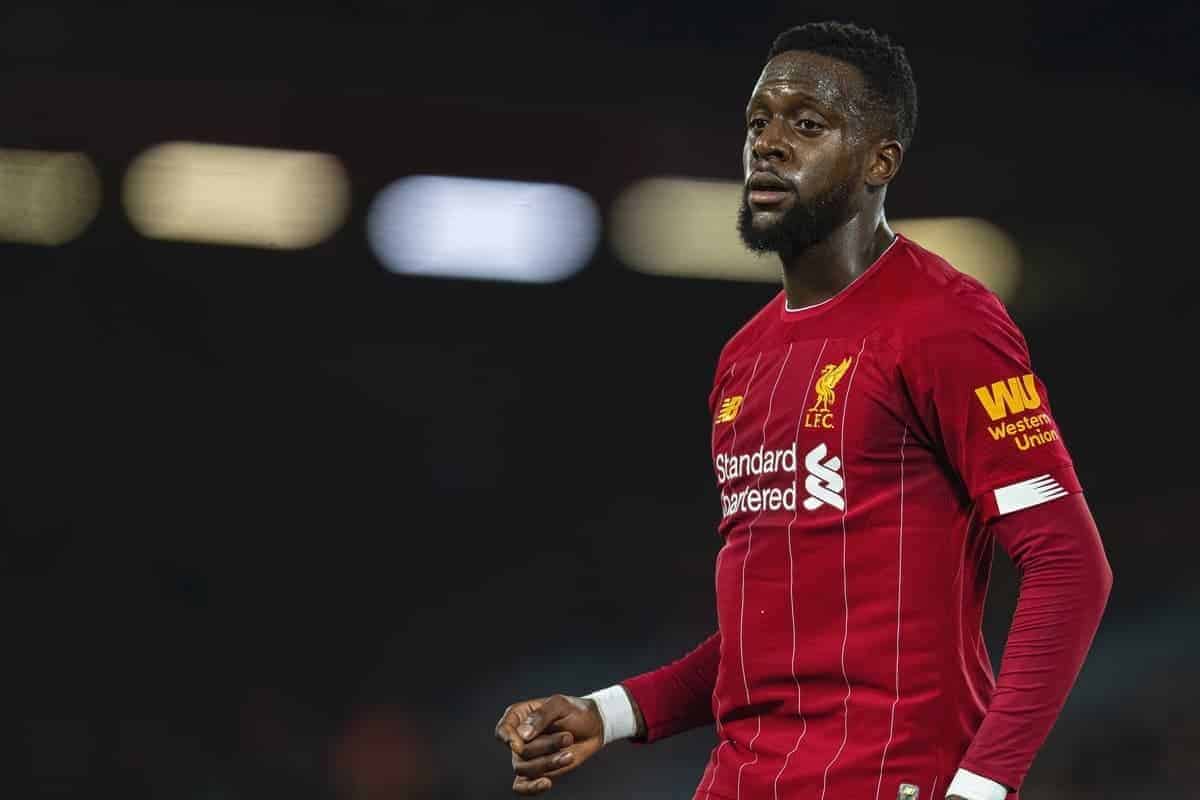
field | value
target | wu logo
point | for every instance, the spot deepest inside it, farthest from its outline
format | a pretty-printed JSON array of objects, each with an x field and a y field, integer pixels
[
  {"x": 1011, "y": 396},
  {"x": 823, "y": 484}
]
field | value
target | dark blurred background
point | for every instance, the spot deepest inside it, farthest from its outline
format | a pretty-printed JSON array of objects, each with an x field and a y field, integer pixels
[{"x": 286, "y": 524}]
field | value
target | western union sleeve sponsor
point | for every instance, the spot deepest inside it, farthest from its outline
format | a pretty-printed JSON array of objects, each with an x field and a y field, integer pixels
[
  {"x": 1026, "y": 432},
  {"x": 1029, "y": 423},
  {"x": 1011, "y": 396}
]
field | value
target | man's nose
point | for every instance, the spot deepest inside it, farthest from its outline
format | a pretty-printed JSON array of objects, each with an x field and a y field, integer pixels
[{"x": 770, "y": 144}]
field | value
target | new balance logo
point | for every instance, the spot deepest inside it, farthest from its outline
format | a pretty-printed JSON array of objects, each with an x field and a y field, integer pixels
[
  {"x": 1010, "y": 396},
  {"x": 729, "y": 409},
  {"x": 823, "y": 484},
  {"x": 1025, "y": 494}
]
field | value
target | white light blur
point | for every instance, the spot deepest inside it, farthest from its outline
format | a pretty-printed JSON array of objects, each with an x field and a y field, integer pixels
[
  {"x": 249, "y": 196},
  {"x": 483, "y": 229},
  {"x": 46, "y": 198},
  {"x": 687, "y": 227}
]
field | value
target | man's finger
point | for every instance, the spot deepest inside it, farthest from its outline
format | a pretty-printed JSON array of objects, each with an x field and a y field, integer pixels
[
  {"x": 546, "y": 765},
  {"x": 506, "y": 728},
  {"x": 524, "y": 786},
  {"x": 546, "y": 745},
  {"x": 564, "y": 761},
  {"x": 513, "y": 716},
  {"x": 538, "y": 720}
]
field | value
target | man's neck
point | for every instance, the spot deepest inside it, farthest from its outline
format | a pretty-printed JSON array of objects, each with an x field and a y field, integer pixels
[{"x": 825, "y": 268}]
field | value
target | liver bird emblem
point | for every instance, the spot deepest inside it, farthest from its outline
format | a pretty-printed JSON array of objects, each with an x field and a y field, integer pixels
[{"x": 830, "y": 375}]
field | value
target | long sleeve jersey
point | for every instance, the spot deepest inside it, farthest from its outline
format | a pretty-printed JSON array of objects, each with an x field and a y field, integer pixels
[{"x": 869, "y": 452}]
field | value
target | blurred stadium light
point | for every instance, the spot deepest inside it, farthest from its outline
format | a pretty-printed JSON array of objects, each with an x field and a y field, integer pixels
[
  {"x": 687, "y": 227},
  {"x": 483, "y": 229},
  {"x": 46, "y": 198},
  {"x": 257, "y": 197}
]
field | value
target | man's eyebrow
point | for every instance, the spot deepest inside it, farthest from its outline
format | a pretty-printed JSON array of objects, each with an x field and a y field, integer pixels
[{"x": 808, "y": 98}]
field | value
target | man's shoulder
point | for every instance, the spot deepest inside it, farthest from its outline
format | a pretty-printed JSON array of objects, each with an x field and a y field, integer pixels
[
  {"x": 752, "y": 330},
  {"x": 940, "y": 300},
  {"x": 918, "y": 296}
]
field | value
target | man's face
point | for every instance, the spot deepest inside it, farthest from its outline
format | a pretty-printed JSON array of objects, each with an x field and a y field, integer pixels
[{"x": 804, "y": 154}]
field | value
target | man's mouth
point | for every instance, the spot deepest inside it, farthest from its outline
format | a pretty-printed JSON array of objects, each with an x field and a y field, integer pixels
[
  {"x": 764, "y": 198},
  {"x": 767, "y": 189}
]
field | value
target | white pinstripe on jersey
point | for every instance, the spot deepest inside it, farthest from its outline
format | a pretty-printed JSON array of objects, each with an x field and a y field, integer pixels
[
  {"x": 899, "y": 583},
  {"x": 745, "y": 561},
  {"x": 716, "y": 699},
  {"x": 792, "y": 574},
  {"x": 845, "y": 578}
]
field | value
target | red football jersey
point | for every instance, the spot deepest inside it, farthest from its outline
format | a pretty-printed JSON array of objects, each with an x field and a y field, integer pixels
[{"x": 860, "y": 447}]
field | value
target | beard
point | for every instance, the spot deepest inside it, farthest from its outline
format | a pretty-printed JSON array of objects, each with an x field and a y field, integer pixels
[{"x": 800, "y": 227}]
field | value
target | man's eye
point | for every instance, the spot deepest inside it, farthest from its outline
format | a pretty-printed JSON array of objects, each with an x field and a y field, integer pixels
[
  {"x": 757, "y": 124},
  {"x": 809, "y": 125}
]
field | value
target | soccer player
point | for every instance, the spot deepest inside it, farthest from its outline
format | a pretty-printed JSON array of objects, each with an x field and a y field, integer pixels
[{"x": 876, "y": 429}]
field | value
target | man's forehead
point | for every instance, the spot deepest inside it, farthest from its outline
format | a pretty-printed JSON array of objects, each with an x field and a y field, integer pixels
[{"x": 826, "y": 78}]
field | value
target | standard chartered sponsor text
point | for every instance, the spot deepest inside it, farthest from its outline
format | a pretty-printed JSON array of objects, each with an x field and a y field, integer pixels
[{"x": 757, "y": 463}]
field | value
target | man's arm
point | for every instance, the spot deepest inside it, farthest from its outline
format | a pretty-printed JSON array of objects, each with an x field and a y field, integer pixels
[
  {"x": 677, "y": 697},
  {"x": 969, "y": 376},
  {"x": 1065, "y": 582},
  {"x": 552, "y": 736}
]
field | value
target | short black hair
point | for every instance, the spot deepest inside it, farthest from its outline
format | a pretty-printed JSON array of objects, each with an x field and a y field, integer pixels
[{"x": 891, "y": 89}]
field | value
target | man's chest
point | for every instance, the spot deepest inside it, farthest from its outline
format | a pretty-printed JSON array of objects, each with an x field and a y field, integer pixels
[{"x": 804, "y": 416}]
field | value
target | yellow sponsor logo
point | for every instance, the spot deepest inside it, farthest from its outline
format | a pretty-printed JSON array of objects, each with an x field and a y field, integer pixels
[
  {"x": 1027, "y": 432},
  {"x": 730, "y": 407},
  {"x": 821, "y": 413},
  {"x": 1011, "y": 396},
  {"x": 1028, "y": 440}
]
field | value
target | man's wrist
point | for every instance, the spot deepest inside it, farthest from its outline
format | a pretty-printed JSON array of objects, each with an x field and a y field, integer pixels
[
  {"x": 616, "y": 711},
  {"x": 969, "y": 786}
]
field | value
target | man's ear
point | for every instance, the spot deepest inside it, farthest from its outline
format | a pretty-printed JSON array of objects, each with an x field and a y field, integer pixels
[{"x": 885, "y": 163}]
